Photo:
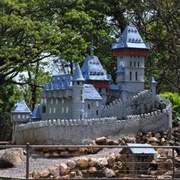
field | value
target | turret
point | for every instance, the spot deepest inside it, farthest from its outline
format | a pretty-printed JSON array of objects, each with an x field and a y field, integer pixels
[
  {"x": 153, "y": 84},
  {"x": 130, "y": 51},
  {"x": 78, "y": 94},
  {"x": 19, "y": 115}
]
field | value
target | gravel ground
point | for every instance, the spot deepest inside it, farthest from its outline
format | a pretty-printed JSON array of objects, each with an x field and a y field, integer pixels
[{"x": 39, "y": 163}]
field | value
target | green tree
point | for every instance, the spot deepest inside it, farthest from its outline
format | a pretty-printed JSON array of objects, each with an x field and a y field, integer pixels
[
  {"x": 174, "y": 98},
  {"x": 7, "y": 101}
]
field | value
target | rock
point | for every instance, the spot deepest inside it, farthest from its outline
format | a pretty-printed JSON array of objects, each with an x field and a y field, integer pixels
[
  {"x": 93, "y": 161},
  {"x": 102, "y": 162},
  {"x": 47, "y": 155},
  {"x": 71, "y": 164},
  {"x": 55, "y": 154},
  {"x": 54, "y": 171},
  {"x": 111, "y": 158},
  {"x": 101, "y": 140},
  {"x": 43, "y": 174},
  {"x": 35, "y": 175},
  {"x": 72, "y": 174},
  {"x": 64, "y": 169},
  {"x": 12, "y": 158},
  {"x": 153, "y": 139},
  {"x": 92, "y": 170},
  {"x": 109, "y": 172},
  {"x": 82, "y": 162}
]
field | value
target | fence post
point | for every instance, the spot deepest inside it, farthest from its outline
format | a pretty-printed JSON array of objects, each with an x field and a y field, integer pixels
[
  {"x": 27, "y": 160},
  {"x": 173, "y": 175}
]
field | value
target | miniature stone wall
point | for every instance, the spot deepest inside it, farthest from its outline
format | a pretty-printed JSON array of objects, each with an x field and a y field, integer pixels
[
  {"x": 138, "y": 104},
  {"x": 82, "y": 131}
]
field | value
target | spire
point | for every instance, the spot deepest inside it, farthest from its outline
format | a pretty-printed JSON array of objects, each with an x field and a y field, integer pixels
[
  {"x": 77, "y": 73},
  {"x": 21, "y": 107},
  {"x": 152, "y": 81},
  {"x": 92, "y": 49}
]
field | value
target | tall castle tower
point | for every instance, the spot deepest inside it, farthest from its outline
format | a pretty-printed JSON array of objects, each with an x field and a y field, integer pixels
[
  {"x": 130, "y": 51},
  {"x": 78, "y": 94}
]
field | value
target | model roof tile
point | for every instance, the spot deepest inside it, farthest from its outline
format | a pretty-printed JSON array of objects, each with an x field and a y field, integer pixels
[
  {"x": 59, "y": 82},
  {"x": 36, "y": 112},
  {"x": 21, "y": 107},
  {"x": 93, "y": 70},
  {"x": 130, "y": 38},
  {"x": 141, "y": 148},
  {"x": 77, "y": 73},
  {"x": 90, "y": 93}
]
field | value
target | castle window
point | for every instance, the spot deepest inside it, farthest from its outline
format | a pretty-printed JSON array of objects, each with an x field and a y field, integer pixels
[
  {"x": 27, "y": 116},
  {"x": 88, "y": 106},
  {"x": 62, "y": 109},
  {"x": 77, "y": 82},
  {"x": 52, "y": 101},
  {"x": 136, "y": 76},
  {"x": 23, "y": 116},
  {"x": 100, "y": 90},
  {"x": 130, "y": 75},
  {"x": 49, "y": 110},
  {"x": 130, "y": 64},
  {"x": 43, "y": 109},
  {"x": 134, "y": 64},
  {"x": 138, "y": 64},
  {"x": 67, "y": 109},
  {"x": 62, "y": 101},
  {"x": 97, "y": 112},
  {"x": 97, "y": 103}
]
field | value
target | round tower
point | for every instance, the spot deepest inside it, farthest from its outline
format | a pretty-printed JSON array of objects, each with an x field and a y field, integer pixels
[
  {"x": 78, "y": 94},
  {"x": 130, "y": 51},
  {"x": 153, "y": 84}
]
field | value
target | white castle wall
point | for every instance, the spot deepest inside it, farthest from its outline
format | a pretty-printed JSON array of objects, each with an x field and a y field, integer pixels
[{"x": 79, "y": 131}]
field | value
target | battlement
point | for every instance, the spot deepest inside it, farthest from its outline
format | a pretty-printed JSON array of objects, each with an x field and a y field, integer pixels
[{"x": 71, "y": 131}]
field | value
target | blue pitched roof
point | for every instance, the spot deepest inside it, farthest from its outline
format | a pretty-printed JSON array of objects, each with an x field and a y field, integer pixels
[
  {"x": 36, "y": 112},
  {"x": 114, "y": 87},
  {"x": 141, "y": 148},
  {"x": 59, "y": 82},
  {"x": 90, "y": 93},
  {"x": 130, "y": 38},
  {"x": 21, "y": 107},
  {"x": 93, "y": 70},
  {"x": 120, "y": 69},
  {"x": 77, "y": 73},
  {"x": 123, "y": 88}
]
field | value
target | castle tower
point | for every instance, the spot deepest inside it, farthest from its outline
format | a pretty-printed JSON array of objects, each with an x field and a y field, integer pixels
[
  {"x": 78, "y": 94},
  {"x": 19, "y": 115},
  {"x": 153, "y": 84},
  {"x": 130, "y": 51},
  {"x": 94, "y": 73}
]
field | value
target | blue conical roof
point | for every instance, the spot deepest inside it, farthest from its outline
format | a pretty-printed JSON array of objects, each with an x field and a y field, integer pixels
[
  {"x": 152, "y": 81},
  {"x": 120, "y": 70},
  {"x": 36, "y": 112},
  {"x": 77, "y": 74},
  {"x": 21, "y": 107},
  {"x": 130, "y": 38}
]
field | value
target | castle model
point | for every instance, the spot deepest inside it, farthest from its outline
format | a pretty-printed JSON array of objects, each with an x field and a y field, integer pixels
[{"x": 76, "y": 109}]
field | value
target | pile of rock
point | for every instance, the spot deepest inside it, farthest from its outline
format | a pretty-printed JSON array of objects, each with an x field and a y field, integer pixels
[{"x": 83, "y": 167}]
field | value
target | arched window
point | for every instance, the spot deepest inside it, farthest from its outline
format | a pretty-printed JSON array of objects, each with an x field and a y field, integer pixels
[
  {"x": 130, "y": 75},
  {"x": 43, "y": 109},
  {"x": 136, "y": 76}
]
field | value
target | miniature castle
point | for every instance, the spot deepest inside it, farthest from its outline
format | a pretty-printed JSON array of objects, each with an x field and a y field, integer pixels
[{"x": 88, "y": 99}]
